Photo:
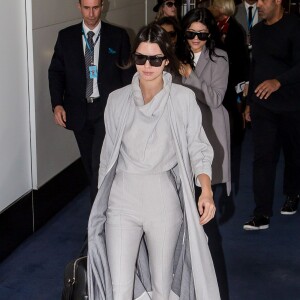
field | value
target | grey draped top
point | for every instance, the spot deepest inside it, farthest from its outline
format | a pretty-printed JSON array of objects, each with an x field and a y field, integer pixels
[{"x": 147, "y": 144}]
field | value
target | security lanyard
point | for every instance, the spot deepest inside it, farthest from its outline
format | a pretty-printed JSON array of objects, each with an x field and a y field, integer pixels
[
  {"x": 87, "y": 43},
  {"x": 250, "y": 22}
]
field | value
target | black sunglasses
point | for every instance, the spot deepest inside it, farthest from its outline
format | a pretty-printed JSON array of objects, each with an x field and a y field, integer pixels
[
  {"x": 172, "y": 34},
  {"x": 170, "y": 4},
  {"x": 154, "y": 60},
  {"x": 202, "y": 36}
]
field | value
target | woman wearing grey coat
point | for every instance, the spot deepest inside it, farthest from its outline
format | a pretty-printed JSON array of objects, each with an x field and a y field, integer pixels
[
  {"x": 205, "y": 71},
  {"x": 146, "y": 239}
]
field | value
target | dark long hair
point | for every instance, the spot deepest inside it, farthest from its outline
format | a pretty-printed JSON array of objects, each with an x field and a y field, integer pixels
[
  {"x": 170, "y": 21},
  {"x": 176, "y": 25},
  {"x": 204, "y": 16},
  {"x": 153, "y": 33}
]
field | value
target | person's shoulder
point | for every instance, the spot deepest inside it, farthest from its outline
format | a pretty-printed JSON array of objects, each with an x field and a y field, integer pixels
[
  {"x": 176, "y": 87},
  {"x": 292, "y": 20},
  {"x": 220, "y": 53},
  {"x": 112, "y": 28},
  {"x": 258, "y": 26},
  {"x": 122, "y": 90},
  {"x": 119, "y": 95},
  {"x": 71, "y": 29},
  {"x": 235, "y": 25},
  {"x": 181, "y": 94},
  {"x": 239, "y": 8}
]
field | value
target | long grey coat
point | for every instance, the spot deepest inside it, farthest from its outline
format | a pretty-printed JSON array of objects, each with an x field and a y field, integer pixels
[
  {"x": 194, "y": 275},
  {"x": 209, "y": 82}
]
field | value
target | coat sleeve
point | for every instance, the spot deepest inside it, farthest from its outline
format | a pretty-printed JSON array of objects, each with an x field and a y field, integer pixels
[
  {"x": 200, "y": 150},
  {"x": 210, "y": 91},
  {"x": 56, "y": 74}
]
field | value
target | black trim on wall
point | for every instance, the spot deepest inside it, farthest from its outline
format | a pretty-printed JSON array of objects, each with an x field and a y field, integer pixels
[
  {"x": 15, "y": 225},
  {"x": 54, "y": 195},
  {"x": 33, "y": 210}
]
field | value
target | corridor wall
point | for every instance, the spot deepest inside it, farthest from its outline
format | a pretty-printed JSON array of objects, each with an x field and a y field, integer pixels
[{"x": 15, "y": 166}]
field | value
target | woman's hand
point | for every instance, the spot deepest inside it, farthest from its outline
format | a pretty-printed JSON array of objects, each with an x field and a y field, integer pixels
[
  {"x": 246, "y": 115},
  {"x": 245, "y": 90},
  {"x": 206, "y": 204},
  {"x": 185, "y": 70},
  {"x": 206, "y": 207}
]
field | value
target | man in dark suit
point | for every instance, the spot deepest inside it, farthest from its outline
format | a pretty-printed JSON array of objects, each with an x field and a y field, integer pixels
[
  {"x": 85, "y": 68},
  {"x": 246, "y": 14}
]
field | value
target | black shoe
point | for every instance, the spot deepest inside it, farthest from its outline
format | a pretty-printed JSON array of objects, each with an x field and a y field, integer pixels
[
  {"x": 290, "y": 206},
  {"x": 257, "y": 223}
]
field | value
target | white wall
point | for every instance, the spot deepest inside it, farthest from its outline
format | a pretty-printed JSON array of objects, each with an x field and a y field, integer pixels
[{"x": 15, "y": 165}]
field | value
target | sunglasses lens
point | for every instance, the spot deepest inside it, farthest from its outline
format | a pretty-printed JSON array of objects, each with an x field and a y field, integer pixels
[
  {"x": 190, "y": 35},
  {"x": 172, "y": 34},
  {"x": 170, "y": 4},
  {"x": 140, "y": 59},
  {"x": 202, "y": 36},
  {"x": 154, "y": 61}
]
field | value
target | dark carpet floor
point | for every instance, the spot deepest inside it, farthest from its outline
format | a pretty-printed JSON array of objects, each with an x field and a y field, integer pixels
[{"x": 262, "y": 265}]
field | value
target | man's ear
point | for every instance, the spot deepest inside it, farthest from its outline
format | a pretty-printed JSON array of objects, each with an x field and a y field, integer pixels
[{"x": 79, "y": 6}]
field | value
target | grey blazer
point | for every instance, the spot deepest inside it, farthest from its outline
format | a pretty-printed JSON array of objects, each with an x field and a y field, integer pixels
[
  {"x": 194, "y": 275},
  {"x": 209, "y": 82}
]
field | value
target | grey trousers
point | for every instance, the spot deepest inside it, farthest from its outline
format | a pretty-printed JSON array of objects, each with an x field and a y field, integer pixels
[{"x": 142, "y": 204}]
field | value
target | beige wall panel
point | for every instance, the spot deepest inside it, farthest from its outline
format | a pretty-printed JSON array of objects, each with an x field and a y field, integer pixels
[
  {"x": 51, "y": 12},
  {"x": 119, "y": 4},
  {"x": 150, "y": 13},
  {"x": 131, "y": 18}
]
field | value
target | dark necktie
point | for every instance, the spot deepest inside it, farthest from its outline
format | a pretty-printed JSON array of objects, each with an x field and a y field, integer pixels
[
  {"x": 250, "y": 16},
  {"x": 89, "y": 60}
]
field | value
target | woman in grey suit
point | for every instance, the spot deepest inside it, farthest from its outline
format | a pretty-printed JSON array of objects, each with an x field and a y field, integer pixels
[
  {"x": 205, "y": 70},
  {"x": 146, "y": 239}
]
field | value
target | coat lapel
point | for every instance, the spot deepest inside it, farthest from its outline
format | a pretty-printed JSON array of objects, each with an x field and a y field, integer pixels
[
  {"x": 78, "y": 49},
  {"x": 202, "y": 62},
  {"x": 244, "y": 16},
  {"x": 103, "y": 53}
]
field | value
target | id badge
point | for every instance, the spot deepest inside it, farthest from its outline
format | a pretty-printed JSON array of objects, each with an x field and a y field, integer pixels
[{"x": 93, "y": 72}]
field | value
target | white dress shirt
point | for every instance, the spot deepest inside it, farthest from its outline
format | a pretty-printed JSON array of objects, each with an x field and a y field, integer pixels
[{"x": 96, "y": 30}]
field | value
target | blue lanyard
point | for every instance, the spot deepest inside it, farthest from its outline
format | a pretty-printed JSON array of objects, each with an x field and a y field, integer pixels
[
  {"x": 86, "y": 41},
  {"x": 250, "y": 22}
]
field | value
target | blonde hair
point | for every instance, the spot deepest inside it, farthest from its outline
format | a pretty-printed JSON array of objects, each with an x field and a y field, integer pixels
[
  {"x": 160, "y": 13},
  {"x": 226, "y": 7}
]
